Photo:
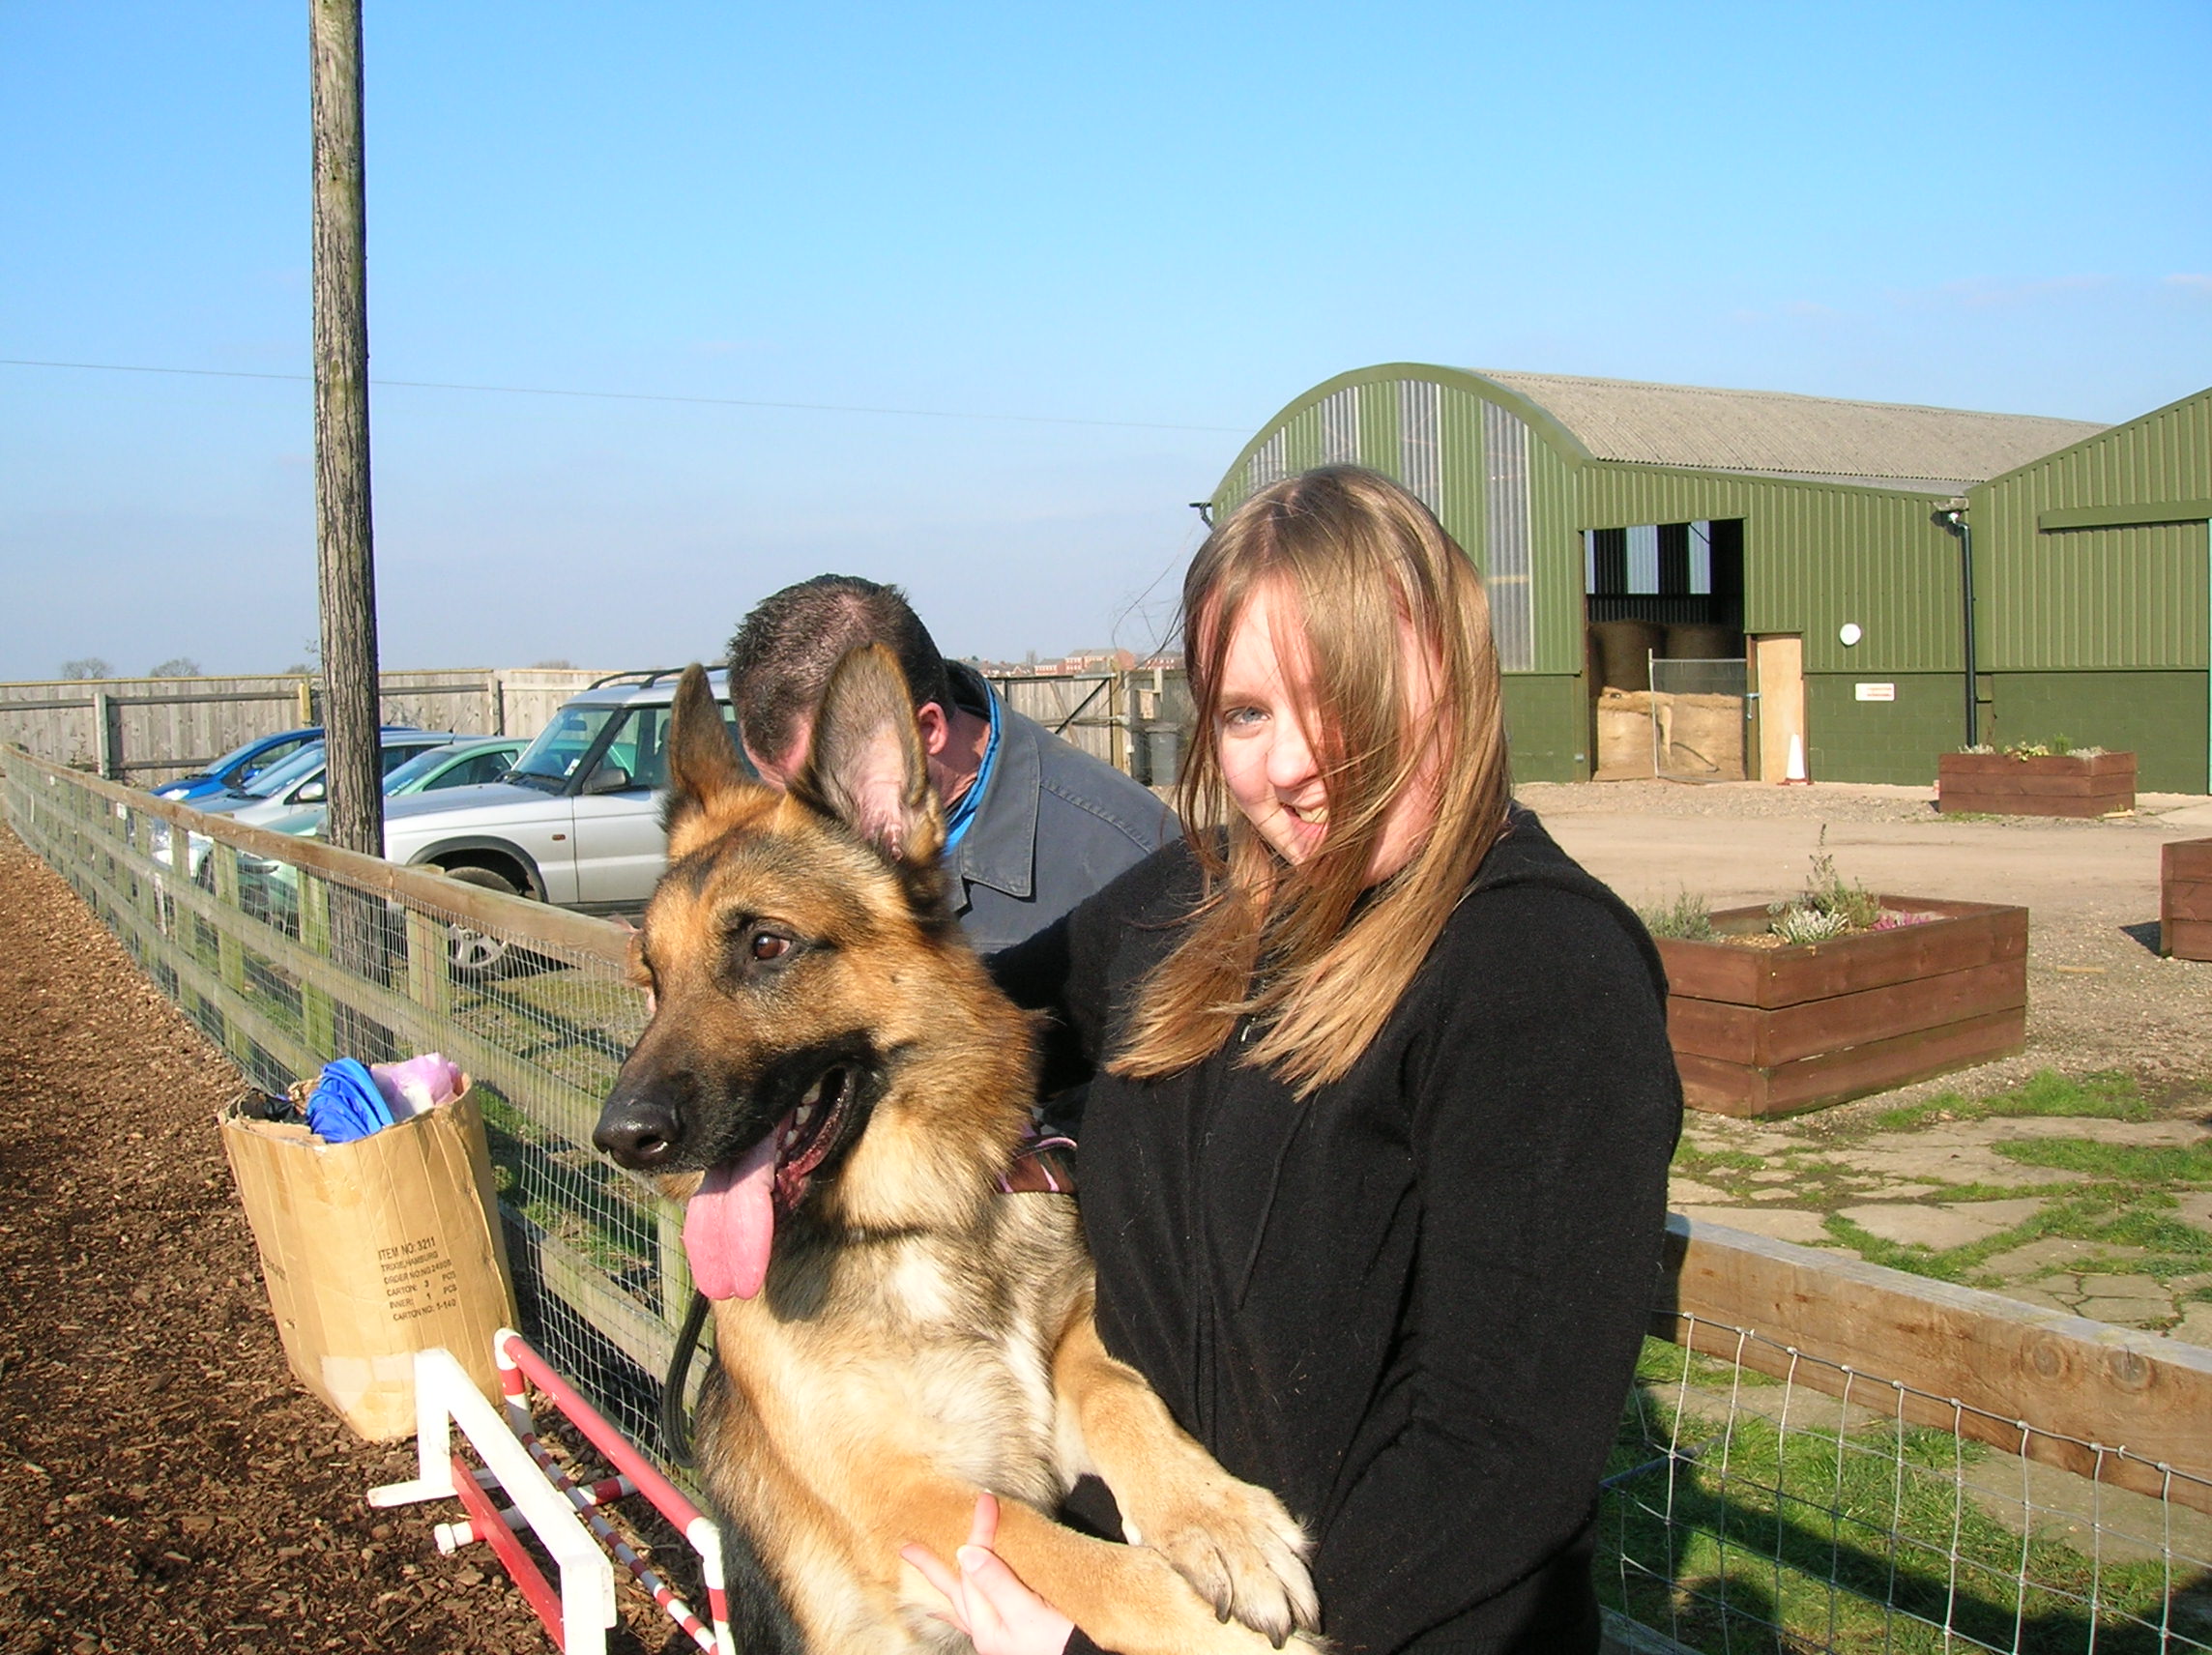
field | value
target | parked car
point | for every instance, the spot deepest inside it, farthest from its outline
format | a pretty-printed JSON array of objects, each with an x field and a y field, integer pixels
[
  {"x": 304, "y": 763},
  {"x": 238, "y": 766},
  {"x": 461, "y": 762},
  {"x": 575, "y": 823},
  {"x": 298, "y": 783}
]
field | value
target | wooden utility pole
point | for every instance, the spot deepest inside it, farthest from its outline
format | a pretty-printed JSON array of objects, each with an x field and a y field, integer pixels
[{"x": 344, "y": 552}]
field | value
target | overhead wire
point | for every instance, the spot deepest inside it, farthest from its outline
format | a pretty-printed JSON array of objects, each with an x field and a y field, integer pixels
[{"x": 638, "y": 396}]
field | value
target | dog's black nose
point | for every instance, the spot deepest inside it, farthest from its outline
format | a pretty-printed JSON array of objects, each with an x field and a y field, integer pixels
[{"x": 638, "y": 1132}]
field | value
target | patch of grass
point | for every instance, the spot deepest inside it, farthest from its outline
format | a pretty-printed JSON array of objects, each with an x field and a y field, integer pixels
[
  {"x": 2147, "y": 1228},
  {"x": 1691, "y": 1159},
  {"x": 1839, "y": 1541},
  {"x": 2120, "y": 1214},
  {"x": 1912, "y": 1259},
  {"x": 2106, "y": 1095},
  {"x": 2122, "y": 1163}
]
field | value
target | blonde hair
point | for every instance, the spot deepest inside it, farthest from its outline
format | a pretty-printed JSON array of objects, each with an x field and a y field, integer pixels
[{"x": 1360, "y": 562}]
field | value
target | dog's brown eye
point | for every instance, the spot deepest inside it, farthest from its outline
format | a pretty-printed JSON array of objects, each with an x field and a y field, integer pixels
[{"x": 768, "y": 945}]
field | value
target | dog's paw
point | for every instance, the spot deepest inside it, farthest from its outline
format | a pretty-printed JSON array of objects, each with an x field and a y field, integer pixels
[{"x": 1243, "y": 1554}]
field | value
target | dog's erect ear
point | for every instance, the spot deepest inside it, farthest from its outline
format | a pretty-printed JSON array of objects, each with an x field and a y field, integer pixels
[
  {"x": 865, "y": 765},
  {"x": 703, "y": 765}
]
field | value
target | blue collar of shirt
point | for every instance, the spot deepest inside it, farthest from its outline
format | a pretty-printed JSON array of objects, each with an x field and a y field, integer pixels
[{"x": 963, "y": 813}]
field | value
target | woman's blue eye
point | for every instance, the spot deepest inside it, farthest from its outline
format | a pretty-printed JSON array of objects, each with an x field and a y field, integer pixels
[{"x": 1238, "y": 716}]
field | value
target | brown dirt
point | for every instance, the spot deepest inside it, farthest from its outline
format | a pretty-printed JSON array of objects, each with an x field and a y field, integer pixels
[{"x": 163, "y": 1483}]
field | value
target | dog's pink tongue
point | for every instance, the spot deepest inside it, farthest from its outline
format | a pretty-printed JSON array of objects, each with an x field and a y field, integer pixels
[{"x": 730, "y": 1224}]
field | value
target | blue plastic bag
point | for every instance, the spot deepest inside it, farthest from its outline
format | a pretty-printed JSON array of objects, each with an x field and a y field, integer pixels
[{"x": 345, "y": 1104}]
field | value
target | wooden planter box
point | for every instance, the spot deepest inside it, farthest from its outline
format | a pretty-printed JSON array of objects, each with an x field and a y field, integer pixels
[
  {"x": 2185, "y": 900},
  {"x": 1779, "y": 1031},
  {"x": 1996, "y": 784}
]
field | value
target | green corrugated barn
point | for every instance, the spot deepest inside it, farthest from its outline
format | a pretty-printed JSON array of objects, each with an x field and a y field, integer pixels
[{"x": 1773, "y": 527}]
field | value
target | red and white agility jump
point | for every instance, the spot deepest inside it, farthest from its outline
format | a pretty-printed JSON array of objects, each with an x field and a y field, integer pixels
[{"x": 561, "y": 1511}]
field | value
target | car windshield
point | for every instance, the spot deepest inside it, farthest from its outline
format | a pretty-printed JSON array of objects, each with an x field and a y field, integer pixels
[
  {"x": 416, "y": 769},
  {"x": 261, "y": 751},
  {"x": 552, "y": 759},
  {"x": 277, "y": 778}
]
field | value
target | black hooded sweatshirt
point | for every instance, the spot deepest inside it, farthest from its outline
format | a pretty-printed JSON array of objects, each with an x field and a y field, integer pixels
[{"x": 1411, "y": 1304}]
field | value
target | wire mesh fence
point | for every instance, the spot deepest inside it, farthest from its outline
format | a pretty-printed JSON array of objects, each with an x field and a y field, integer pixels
[
  {"x": 288, "y": 953},
  {"x": 1760, "y": 1497}
]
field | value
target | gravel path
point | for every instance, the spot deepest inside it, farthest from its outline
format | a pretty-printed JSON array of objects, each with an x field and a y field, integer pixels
[{"x": 164, "y": 1484}]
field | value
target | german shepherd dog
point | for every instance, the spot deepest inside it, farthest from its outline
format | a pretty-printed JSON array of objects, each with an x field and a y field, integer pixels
[{"x": 833, "y": 1082}]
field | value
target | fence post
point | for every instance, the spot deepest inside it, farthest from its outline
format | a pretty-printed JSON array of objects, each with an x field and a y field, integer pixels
[
  {"x": 674, "y": 1264},
  {"x": 318, "y": 1018},
  {"x": 306, "y": 698},
  {"x": 495, "y": 702},
  {"x": 429, "y": 984},
  {"x": 107, "y": 761},
  {"x": 230, "y": 952}
]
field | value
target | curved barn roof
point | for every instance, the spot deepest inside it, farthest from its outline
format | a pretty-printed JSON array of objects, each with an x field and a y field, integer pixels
[{"x": 1773, "y": 433}]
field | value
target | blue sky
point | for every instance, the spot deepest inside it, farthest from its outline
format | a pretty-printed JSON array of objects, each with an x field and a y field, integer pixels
[{"x": 1168, "y": 217}]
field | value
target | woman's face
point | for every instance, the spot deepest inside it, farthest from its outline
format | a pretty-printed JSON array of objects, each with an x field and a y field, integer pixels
[{"x": 1268, "y": 758}]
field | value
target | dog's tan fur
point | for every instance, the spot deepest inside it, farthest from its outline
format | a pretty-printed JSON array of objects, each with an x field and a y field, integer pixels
[{"x": 919, "y": 1336}]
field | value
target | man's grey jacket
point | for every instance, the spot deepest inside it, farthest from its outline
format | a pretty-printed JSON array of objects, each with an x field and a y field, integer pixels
[{"x": 1054, "y": 826}]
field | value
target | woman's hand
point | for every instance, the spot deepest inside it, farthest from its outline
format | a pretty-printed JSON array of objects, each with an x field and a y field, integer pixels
[{"x": 986, "y": 1599}]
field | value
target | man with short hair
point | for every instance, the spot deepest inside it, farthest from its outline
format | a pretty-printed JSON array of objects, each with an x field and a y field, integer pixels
[{"x": 1033, "y": 825}]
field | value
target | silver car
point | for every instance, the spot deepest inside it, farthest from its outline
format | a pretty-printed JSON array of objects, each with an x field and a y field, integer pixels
[{"x": 576, "y": 822}]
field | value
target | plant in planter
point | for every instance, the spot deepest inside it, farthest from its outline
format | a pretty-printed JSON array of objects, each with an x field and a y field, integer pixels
[
  {"x": 2035, "y": 778},
  {"x": 1837, "y": 993}
]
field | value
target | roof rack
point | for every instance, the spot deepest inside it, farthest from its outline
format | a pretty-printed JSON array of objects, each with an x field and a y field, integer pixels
[{"x": 647, "y": 678}]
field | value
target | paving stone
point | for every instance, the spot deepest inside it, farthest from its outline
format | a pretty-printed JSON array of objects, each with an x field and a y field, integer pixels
[
  {"x": 1937, "y": 1227},
  {"x": 1804, "y": 1227},
  {"x": 1774, "y": 1195},
  {"x": 2143, "y": 1134},
  {"x": 2195, "y": 1208},
  {"x": 2037, "y": 1295},
  {"x": 2126, "y": 1312},
  {"x": 1683, "y": 1191},
  {"x": 2195, "y": 1326},
  {"x": 1775, "y": 1176},
  {"x": 2058, "y": 1253},
  {"x": 1947, "y": 1164},
  {"x": 2124, "y": 1287},
  {"x": 2002, "y": 1214}
]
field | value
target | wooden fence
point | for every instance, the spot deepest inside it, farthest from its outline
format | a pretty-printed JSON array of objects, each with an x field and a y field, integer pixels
[{"x": 147, "y": 729}]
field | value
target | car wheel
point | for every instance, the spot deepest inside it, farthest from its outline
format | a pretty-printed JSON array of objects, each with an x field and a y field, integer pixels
[{"x": 473, "y": 955}]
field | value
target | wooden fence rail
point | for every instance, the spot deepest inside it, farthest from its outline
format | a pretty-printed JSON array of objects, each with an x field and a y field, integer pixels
[{"x": 149, "y": 730}]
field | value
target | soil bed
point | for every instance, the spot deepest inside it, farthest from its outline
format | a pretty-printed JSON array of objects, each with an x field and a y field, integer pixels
[{"x": 164, "y": 1484}]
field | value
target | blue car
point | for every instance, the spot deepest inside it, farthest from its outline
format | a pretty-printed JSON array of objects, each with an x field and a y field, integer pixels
[{"x": 243, "y": 763}]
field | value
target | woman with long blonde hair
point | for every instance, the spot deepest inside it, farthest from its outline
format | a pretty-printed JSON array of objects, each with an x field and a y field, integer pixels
[{"x": 1374, "y": 1146}]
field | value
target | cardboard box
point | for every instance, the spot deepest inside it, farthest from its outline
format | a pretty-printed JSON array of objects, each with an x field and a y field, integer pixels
[{"x": 374, "y": 1250}]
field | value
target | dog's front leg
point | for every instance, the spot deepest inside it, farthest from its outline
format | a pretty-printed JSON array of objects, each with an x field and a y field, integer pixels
[
  {"x": 1233, "y": 1541},
  {"x": 1127, "y": 1598}
]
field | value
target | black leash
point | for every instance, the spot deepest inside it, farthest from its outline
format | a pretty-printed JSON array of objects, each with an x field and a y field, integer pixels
[{"x": 674, "y": 1421}]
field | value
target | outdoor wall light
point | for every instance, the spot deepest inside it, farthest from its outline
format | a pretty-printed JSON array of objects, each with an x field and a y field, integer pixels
[{"x": 1850, "y": 632}]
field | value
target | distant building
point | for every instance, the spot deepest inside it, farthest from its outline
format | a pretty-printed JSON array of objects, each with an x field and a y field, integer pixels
[{"x": 1816, "y": 539}]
